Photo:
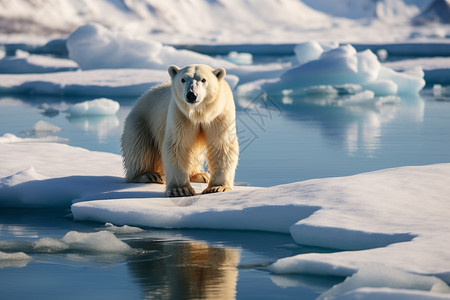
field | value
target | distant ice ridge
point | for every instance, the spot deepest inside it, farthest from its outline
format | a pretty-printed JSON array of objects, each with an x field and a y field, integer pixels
[
  {"x": 93, "y": 46},
  {"x": 24, "y": 62},
  {"x": 96, "y": 107}
]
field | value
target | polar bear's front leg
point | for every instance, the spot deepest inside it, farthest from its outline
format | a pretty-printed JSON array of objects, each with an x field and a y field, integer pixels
[
  {"x": 177, "y": 160},
  {"x": 177, "y": 178},
  {"x": 222, "y": 157}
]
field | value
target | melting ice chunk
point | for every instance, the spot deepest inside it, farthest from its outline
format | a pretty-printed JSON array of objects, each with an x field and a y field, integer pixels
[
  {"x": 103, "y": 241},
  {"x": 96, "y": 107}
]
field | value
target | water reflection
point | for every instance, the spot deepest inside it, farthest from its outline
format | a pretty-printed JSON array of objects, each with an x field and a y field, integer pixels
[
  {"x": 353, "y": 122},
  {"x": 192, "y": 270},
  {"x": 102, "y": 125}
]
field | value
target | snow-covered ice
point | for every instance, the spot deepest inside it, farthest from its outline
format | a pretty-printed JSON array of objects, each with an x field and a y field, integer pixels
[
  {"x": 394, "y": 218},
  {"x": 89, "y": 83},
  {"x": 92, "y": 83},
  {"x": 378, "y": 276},
  {"x": 391, "y": 225},
  {"x": 389, "y": 294}
]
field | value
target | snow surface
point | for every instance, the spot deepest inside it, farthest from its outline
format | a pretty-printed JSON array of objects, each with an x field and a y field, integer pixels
[
  {"x": 391, "y": 221},
  {"x": 379, "y": 276},
  {"x": 11, "y": 138}
]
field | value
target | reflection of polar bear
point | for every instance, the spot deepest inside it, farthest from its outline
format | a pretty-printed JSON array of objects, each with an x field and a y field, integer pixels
[{"x": 167, "y": 132}]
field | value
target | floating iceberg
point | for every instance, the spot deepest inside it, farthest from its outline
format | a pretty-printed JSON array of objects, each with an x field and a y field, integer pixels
[
  {"x": 343, "y": 66},
  {"x": 96, "y": 107},
  {"x": 93, "y": 46}
]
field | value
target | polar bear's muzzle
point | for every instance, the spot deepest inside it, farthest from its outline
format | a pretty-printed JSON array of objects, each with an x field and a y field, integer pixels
[{"x": 191, "y": 97}]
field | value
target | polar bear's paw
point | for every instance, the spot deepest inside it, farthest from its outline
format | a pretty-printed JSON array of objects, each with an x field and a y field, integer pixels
[
  {"x": 152, "y": 177},
  {"x": 216, "y": 189},
  {"x": 201, "y": 177},
  {"x": 185, "y": 191}
]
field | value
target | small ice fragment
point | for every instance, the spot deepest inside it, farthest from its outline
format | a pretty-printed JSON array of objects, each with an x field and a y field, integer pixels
[
  {"x": 437, "y": 90},
  {"x": 239, "y": 58},
  {"x": 382, "y": 54},
  {"x": 14, "y": 256},
  {"x": 42, "y": 126},
  {"x": 102, "y": 241},
  {"x": 122, "y": 229},
  {"x": 17, "y": 259},
  {"x": 50, "y": 245}
]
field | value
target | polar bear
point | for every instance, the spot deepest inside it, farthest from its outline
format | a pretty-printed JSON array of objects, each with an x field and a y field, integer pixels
[{"x": 175, "y": 126}]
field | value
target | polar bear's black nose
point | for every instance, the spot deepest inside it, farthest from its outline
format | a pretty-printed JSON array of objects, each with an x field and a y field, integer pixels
[{"x": 191, "y": 97}]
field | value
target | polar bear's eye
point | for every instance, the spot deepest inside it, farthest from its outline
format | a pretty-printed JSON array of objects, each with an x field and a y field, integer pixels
[
  {"x": 203, "y": 80},
  {"x": 183, "y": 80}
]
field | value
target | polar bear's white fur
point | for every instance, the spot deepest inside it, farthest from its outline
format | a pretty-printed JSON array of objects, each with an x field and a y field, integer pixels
[{"x": 175, "y": 126}]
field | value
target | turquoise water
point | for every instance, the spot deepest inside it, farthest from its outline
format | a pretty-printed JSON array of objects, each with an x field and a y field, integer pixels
[{"x": 280, "y": 143}]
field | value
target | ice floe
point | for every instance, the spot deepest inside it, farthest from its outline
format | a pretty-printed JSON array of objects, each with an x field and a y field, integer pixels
[{"x": 395, "y": 217}]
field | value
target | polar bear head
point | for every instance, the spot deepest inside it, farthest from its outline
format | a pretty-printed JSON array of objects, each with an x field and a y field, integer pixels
[{"x": 196, "y": 87}]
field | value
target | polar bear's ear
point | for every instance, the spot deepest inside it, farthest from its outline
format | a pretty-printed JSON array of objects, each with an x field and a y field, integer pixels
[
  {"x": 220, "y": 73},
  {"x": 173, "y": 70}
]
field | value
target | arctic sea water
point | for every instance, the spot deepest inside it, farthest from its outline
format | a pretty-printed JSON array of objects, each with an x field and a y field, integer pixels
[{"x": 285, "y": 140}]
